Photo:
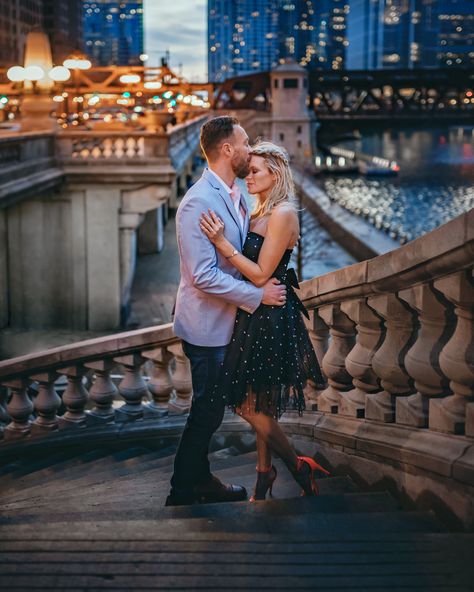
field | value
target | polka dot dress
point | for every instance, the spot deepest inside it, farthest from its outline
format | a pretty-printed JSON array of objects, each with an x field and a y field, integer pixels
[{"x": 270, "y": 356}]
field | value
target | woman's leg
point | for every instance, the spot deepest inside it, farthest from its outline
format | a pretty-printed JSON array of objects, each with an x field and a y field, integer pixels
[
  {"x": 270, "y": 436},
  {"x": 264, "y": 455}
]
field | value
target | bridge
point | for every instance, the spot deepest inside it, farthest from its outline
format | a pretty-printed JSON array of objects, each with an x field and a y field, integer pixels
[{"x": 447, "y": 94}]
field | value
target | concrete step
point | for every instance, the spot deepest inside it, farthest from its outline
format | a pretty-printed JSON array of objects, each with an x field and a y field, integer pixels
[
  {"x": 149, "y": 489},
  {"x": 82, "y": 467},
  {"x": 39, "y": 468},
  {"x": 410, "y": 562},
  {"x": 339, "y": 553},
  {"x": 333, "y": 503},
  {"x": 115, "y": 487}
]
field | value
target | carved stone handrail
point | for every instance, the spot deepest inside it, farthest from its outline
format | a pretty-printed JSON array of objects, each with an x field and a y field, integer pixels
[
  {"x": 412, "y": 362},
  {"x": 155, "y": 347},
  {"x": 27, "y": 164},
  {"x": 31, "y": 162}
]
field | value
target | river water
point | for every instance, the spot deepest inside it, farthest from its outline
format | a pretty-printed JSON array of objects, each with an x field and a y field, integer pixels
[{"x": 435, "y": 183}]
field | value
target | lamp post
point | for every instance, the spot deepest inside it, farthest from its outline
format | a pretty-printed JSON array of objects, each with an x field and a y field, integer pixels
[{"x": 37, "y": 77}]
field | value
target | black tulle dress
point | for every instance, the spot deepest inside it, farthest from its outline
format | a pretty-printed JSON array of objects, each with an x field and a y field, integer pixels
[{"x": 270, "y": 356}]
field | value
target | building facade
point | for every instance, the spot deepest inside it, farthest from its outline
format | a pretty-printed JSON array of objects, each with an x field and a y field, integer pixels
[
  {"x": 410, "y": 34},
  {"x": 62, "y": 21},
  {"x": 113, "y": 31},
  {"x": 248, "y": 36}
]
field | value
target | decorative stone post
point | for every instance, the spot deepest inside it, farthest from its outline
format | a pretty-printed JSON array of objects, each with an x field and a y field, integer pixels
[
  {"x": 4, "y": 417},
  {"x": 47, "y": 404},
  {"x": 102, "y": 393},
  {"x": 369, "y": 328},
  {"x": 341, "y": 329},
  {"x": 75, "y": 398},
  {"x": 160, "y": 384},
  {"x": 422, "y": 359},
  {"x": 19, "y": 409},
  {"x": 181, "y": 379},
  {"x": 457, "y": 357},
  {"x": 132, "y": 388},
  {"x": 319, "y": 335},
  {"x": 388, "y": 361}
]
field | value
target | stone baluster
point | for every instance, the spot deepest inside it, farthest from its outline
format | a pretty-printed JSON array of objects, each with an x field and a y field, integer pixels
[
  {"x": 457, "y": 358},
  {"x": 422, "y": 359},
  {"x": 181, "y": 381},
  {"x": 319, "y": 335},
  {"x": 388, "y": 361},
  {"x": 102, "y": 393},
  {"x": 75, "y": 398},
  {"x": 160, "y": 384},
  {"x": 19, "y": 409},
  {"x": 370, "y": 334},
  {"x": 4, "y": 417},
  {"x": 132, "y": 388},
  {"x": 47, "y": 404},
  {"x": 341, "y": 329}
]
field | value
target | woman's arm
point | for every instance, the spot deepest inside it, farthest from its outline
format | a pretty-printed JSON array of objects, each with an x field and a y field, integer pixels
[{"x": 281, "y": 228}]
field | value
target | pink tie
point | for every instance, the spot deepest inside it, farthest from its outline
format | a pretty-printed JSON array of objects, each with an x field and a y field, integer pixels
[{"x": 235, "y": 196}]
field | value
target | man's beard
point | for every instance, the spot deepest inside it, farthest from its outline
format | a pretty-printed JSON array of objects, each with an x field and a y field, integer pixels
[{"x": 241, "y": 166}]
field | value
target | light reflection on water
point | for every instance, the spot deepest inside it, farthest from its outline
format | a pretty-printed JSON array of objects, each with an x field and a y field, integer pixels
[{"x": 435, "y": 184}]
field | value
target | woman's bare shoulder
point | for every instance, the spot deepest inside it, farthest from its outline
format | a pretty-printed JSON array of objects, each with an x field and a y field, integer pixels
[{"x": 283, "y": 213}]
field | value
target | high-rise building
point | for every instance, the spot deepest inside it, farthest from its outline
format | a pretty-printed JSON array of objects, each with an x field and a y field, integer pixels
[
  {"x": 113, "y": 31},
  {"x": 410, "y": 34},
  {"x": 62, "y": 21},
  {"x": 242, "y": 37},
  {"x": 248, "y": 36},
  {"x": 445, "y": 36}
]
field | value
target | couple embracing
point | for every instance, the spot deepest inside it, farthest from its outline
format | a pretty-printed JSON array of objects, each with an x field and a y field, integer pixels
[{"x": 237, "y": 313}]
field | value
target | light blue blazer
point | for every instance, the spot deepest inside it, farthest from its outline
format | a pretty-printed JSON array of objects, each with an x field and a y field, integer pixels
[{"x": 210, "y": 289}]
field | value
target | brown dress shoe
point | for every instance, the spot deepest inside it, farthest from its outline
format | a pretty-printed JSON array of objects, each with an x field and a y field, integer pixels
[{"x": 215, "y": 491}]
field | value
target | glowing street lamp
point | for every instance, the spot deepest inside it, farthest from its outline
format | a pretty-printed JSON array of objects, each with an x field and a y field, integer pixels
[
  {"x": 59, "y": 74},
  {"x": 130, "y": 79},
  {"x": 77, "y": 63}
]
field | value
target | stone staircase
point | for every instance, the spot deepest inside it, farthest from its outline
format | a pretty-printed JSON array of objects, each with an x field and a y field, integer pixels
[{"x": 95, "y": 520}]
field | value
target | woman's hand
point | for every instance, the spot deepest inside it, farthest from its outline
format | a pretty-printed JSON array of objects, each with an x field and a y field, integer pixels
[{"x": 213, "y": 227}]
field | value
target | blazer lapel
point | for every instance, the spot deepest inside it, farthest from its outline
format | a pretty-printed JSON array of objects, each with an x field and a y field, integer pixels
[{"x": 226, "y": 198}]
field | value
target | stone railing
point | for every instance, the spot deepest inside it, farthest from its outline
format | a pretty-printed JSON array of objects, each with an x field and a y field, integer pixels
[
  {"x": 27, "y": 162},
  {"x": 143, "y": 360},
  {"x": 396, "y": 333},
  {"x": 132, "y": 148}
]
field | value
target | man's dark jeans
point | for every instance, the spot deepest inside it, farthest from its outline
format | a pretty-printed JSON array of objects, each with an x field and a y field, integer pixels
[{"x": 191, "y": 465}]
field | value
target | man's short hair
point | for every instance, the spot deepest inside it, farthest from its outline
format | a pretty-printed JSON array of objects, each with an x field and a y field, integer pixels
[{"x": 214, "y": 132}]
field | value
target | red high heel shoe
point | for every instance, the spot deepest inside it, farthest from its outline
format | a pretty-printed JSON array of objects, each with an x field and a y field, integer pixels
[
  {"x": 305, "y": 477},
  {"x": 265, "y": 480}
]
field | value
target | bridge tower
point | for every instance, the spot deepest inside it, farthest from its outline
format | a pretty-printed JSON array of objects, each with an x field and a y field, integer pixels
[{"x": 292, "y": 124}]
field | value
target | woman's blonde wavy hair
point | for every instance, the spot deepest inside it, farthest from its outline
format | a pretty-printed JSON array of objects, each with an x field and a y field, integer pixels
[{"x": 278, "y": 163}]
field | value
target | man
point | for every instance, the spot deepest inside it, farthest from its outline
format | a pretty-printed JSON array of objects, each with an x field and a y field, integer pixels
[{"x": 210, "y": 291}]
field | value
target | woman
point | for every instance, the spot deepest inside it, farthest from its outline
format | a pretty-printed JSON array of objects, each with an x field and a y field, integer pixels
[{"x": 270, "y": 356}]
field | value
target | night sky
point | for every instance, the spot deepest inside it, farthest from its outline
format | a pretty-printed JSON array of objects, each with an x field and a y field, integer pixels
[{"x": 181, "y": 27}]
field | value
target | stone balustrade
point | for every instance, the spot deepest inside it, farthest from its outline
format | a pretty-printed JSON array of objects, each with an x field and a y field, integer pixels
[
  {"x": 402, "y": 333},
  {"x": 155, "y": 379},
  {"x": 27, "y": 163}
]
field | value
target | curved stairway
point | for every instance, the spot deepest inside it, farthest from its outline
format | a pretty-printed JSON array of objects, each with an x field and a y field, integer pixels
[{"x": 95, "y": 520}]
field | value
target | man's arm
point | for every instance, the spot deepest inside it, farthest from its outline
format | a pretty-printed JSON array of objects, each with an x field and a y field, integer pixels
[{"x": 200, "y": 258}]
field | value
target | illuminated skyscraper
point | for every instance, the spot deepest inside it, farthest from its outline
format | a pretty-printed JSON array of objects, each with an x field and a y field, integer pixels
[
  {"x": 113, "y": 31},
  {"x": 410, "y": 34},
  {"x": 243, "y": 37},
  {"x": 253, "y": 35}
]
